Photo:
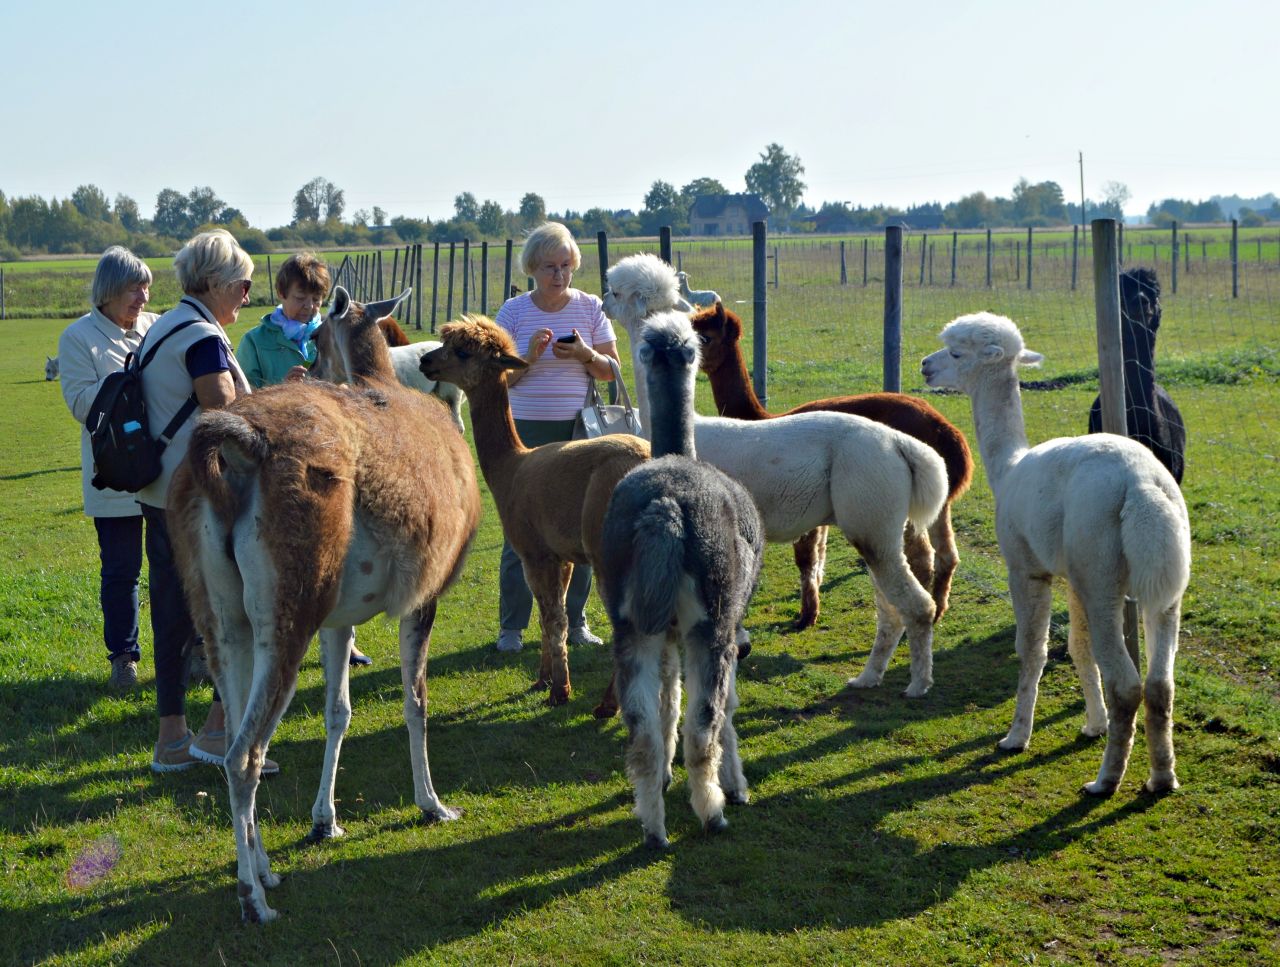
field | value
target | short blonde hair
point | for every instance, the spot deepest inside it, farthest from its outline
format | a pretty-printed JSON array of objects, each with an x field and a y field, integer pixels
[
  {"x": 210, "y": 260},
  {"x": 547, "y": 238}
]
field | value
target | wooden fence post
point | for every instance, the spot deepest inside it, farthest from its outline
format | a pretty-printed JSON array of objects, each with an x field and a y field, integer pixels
[
  {"x": 664, "y": 243},
  {"x": 448, "y": 303},
  {"x": 988, "y": 258},
  {"x": 1173, "y": 262},
  {"x": 1075, "y": 254},
  {"x": 844, "y": 269},
  {"x": 435, "y": 284},
  {"x": 602, "y": 253},
  {"x": 506, "y": 274},
  {"x": 924, "y": 244},
  {"x": 955, "y": 243},
  {"x": 760, "y": 313},
  {"x": 866, "y": 244},
  {"x": 1235, "y": 259},
  {"x": 484, "y": 278},
  {"x": 466, "y": 275},
  {"x": 1029, "y": 248},
  {"x": 892, "y": 309}
]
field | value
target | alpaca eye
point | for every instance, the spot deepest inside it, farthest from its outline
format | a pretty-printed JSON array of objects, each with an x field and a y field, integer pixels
[{"x": 462, "y": 354}]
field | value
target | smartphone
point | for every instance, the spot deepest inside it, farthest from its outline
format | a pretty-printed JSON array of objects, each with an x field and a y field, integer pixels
[{"x": 568, "y": 338}]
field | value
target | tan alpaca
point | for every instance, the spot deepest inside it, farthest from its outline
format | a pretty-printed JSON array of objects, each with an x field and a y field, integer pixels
[
  {"x": 307, "y": 507},
  {"x": 551, "y": 499}
]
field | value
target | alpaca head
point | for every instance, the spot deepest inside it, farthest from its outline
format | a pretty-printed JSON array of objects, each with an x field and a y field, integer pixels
[
  {"x": 639, "y": 286},
  {"x": 719, "y": 330},
  {"x": 475, "y": 352},
  {"x": 975, "y": 348},
  {"x": 50, "y": 368},
  {"x": 350, "y": 334},
  {"x": 669, "y": 348},
  {"x": 1140, "y": 297}
]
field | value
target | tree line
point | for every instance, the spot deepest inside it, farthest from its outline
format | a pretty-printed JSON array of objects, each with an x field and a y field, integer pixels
[{"x": 87, "y": 221}]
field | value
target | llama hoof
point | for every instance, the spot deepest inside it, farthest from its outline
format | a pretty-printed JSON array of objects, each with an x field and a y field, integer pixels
[
  {"x": 716, "y": 824},
  {"x": 736, "y": 797},
  {"x": 1093, "y": 731},
  {"x": 269, "y": 880},
  {"x": 1099, "y": 788},
  {"x": 1159, "y": 784},
  {"x": 322, "y": 831},
  {"x": 916, "y": 691},
  {"x": 605, "y": 710},
  {"x": 440, "y": 813},
  {"x": 559, "y": 696},
  {"x": 804, "y": 621},
  {"x": 541, "y": 685},
  {"x": 656, "y": 841},
  {"x": 866, "y": 680},
  {"x": 252, "y": 910},
  {"x": 744, "y": 649},
  {"x": 666, "y": 783},
  {"x": 1010, "y": 744}
]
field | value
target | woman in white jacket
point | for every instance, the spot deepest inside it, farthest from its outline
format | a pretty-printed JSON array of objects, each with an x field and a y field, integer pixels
[{"x": 90, "y": 349}]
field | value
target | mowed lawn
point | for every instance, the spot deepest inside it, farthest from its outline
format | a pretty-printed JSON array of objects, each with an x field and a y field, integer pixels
[{"x": 881, "y": 829}]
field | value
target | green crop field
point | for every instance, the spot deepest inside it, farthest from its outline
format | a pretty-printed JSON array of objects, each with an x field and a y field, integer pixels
[{"x": 881, "y": 830}]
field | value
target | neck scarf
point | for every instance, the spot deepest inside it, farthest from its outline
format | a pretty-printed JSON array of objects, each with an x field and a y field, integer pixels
[{"x": 294, "y": 331}]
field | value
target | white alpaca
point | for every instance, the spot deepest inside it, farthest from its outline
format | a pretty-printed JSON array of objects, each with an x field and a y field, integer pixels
[
  {"x": 50, "y": 368},
  {"x": 811, "y": 469},
  {"x": 698, "y": 297},
  {"x": 1100, "y": 511},
  {"x": 681, "y": 556}
]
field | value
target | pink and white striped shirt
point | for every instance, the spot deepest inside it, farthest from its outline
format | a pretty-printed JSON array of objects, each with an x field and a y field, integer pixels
[{"x": 553, "y": 389}]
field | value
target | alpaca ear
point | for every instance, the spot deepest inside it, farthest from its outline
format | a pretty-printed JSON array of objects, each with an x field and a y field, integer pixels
[
  {"x": 992, "y": 353},
  {"x": 341, "y": 303},
  {"x": 511, "y": 362},
  {"x": 1029, "y": 358},
  {"x": 380, "y": 310},
  {"x": 641, "y": 304}
]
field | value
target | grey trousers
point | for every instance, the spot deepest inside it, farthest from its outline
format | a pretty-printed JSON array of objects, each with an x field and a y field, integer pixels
[{"x": 515, "y": 600}]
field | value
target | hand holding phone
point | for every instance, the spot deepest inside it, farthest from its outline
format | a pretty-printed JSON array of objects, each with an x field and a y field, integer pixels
[{"x": 569, "y": 338}]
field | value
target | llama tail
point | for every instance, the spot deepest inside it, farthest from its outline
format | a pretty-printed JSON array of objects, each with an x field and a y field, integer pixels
[
  {"x": 1156, "y": 537},
  {"x": 657, "y": 565},
  {"x": 929, "y": 484},
  {"x": 223, "y": 445}
]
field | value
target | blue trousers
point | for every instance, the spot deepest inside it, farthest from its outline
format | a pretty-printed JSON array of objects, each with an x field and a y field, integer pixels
[
  {"x": 515, "y": 600},
  {"x": 171, "y": 624},
  {"x": 120, "y": 551}
]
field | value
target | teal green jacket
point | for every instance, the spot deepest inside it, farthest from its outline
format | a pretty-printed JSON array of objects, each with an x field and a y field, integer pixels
[{"x": 266, "y": 354}]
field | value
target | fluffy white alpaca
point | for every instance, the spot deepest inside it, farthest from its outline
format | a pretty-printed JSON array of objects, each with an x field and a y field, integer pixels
[
  {"x": 1100, "y": 511},
  {"x": 811, "y": 469},
  {"x": 699, "y": 297}
]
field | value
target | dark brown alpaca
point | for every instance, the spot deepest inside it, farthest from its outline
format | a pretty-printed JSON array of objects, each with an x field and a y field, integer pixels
[
  {"x": 311, "y": 507},
  {"x": 933, "y": 557}
]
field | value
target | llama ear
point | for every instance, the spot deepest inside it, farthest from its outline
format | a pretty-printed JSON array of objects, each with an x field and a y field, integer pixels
[
  {"x": 380, "y": 310},
  {"x": 1029, "y": 358},
  {"x": 341, "y": 303},
  {"x": 511, "y": 362},
  {"x": 992, "y": 353},
  {"x": 238, "y": 459}
]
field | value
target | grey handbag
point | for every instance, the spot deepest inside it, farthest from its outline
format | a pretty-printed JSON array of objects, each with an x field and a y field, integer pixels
[{"x": 598, "y": 418}]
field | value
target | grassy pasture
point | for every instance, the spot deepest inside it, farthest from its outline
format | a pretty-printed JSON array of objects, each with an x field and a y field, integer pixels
[{"x": 880, "y": 830}]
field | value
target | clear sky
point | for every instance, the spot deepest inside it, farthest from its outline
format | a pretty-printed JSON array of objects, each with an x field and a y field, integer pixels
[{"x": 404, "y": 104}]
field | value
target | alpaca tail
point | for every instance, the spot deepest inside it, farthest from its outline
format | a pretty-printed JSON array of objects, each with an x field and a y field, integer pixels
[
  {"x": 929, "y": 485},
  {"x": 657, "y": 565},
  {"x": 224, "y": 444},
  {"x": 1156, "y": 537}
]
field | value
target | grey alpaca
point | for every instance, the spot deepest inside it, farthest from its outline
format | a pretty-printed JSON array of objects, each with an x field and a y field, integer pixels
[{"x": 682, "y": 553}]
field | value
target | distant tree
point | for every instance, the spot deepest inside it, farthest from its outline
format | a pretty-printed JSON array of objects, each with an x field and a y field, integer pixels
[
  {"x": 598, "y": 220},
  {"x": 533, "y": 210},
  {"x": 361, "y": 217},
  {"x": 28, "y": 220},
  {"x": 1249, "y": 218},
  {"x": 776, "y": 179},
  {"x": 231, "y": 216},
  {"x": 318, "y": 198},
  {"x": 971, "y": 211},
  {"x": 91, "y": 203},
  {"x": 663, "y": 206},
  {"x": 701, "y": 186},
  {"x": 172, "y": 217},
  {"x": 491, "y": 219},
  {"x": 335, "y": 202},
  {"x": 465, "y": 207},
  {"x": 1040, "y": 204},
  {"x": 1115, "y": 195},
  {"x": 126, "y": 211},
  {"x": 411, "y": 229},
  {"x": 379, "y": 217},
  {"x": 928, "y": 215},
  {"x": 203, "y": 205}
]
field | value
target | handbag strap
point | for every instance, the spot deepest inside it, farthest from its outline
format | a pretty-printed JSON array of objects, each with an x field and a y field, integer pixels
[{"x": 593, "y": 393}]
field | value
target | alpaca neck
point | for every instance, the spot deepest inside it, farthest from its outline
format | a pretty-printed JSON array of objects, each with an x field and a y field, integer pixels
[
  {"x": 498, "y": 446},
  {"x": 998, "y": 422},
  {"x": 367, "y": 355},
  {"x": 1139, "y": 375},
  {"x": 672, "y": 430},
  {"x": 640, "y": 379},
  {"x": 732, "y": 390}
]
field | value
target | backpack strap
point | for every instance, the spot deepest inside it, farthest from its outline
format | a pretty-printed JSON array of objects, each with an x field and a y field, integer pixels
[{"x": 189, "y": 406}]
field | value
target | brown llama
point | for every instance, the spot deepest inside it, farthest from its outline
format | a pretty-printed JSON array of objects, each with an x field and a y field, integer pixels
[
  {"x": 933, "y": 557},
  {"x": 392, "y": 332},
  {"x": 312, "y": 507},
  {"x": 551, "y": 499}
]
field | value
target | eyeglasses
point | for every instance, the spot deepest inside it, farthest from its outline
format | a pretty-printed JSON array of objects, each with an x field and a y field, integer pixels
[
  {"x": 244, "y": 284},
  {"x": 554, "y": 270}
]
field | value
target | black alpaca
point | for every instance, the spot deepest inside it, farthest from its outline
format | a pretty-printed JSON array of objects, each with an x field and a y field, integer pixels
[
  {"x": 682, "y": 551},
  {"x": 1152, "y": 417}
]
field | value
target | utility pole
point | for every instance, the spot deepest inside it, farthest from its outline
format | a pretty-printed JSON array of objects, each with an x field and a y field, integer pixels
[{"x": 1082, "y": 212}]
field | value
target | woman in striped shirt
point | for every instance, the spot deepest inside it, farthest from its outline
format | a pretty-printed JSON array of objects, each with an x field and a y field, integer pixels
[{"x": 564, "y": 335}]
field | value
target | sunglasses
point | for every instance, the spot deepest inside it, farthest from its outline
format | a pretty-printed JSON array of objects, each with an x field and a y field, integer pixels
[{"x": 244, "y": 284}]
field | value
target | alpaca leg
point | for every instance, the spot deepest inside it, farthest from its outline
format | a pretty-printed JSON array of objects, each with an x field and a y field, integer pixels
[
  {"x": 415, "y": 643},
  {"x": 707, "y": 677},
  {"x": 548, "y": 581},
  {"x": 335, "y": 650},
  {"x": 1081, "y": 651},
  {"x": 639, "y": 660},
  {"x": 732, "y": 779},
  {"x": 811, "y": 558},
  {"x": 1032, "y": 604},
  {"x": 889, "y": 630},
  {"x": 946, "y": 558},
  {"x": 919, "y": 553},
  {"x": 669, "y": 706},
  {"x": 1162, "y": 645},
  {"x": 1122, "y": 686},
  {"x": 608, "y": 706}
]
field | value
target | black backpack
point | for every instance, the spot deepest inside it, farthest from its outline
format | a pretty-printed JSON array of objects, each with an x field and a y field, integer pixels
[{"x": 125, "y": 456}]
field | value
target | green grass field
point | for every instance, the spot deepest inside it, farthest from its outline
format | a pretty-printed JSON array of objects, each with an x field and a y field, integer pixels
[{"x": 881, "y": 830}]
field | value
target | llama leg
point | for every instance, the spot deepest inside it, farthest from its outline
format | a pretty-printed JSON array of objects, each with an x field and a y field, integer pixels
[
  {"x": 548, "y": 581},
  {"x": 1032, "y": 604},
  {"x": 732, "y": 779},
  {"x": 669, "y": 706},
  {"x": 811, "y": 557},
  {"x": 889, "y": 629},
  {"x": 335, "y": 650},
  {"x": 1120, "y": 681},
  {"x": 946, "y": 558},
  {"x": 706, "y": 676},
  {"x": 415, "y": 642},
  {"x": 1162, "y": 645},
  {"x": 919, "y": 553},
  {"x": 639, "y": 660},
  {"x": 1081, "y": 651}
]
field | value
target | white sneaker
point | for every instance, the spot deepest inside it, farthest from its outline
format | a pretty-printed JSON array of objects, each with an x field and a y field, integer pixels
[
  {"x": 582, "y": 635},
  {"x": 510, "y": 639}
]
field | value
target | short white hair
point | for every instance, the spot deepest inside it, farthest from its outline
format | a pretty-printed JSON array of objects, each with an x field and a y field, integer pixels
[
  {"x": 210, "y": 260},
  {"x": 118, "y": 270},
  {"x": 547, "y": 238}
]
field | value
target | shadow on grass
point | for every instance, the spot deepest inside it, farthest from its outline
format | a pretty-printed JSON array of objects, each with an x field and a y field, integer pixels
[{"x": 40, "y": 473}]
